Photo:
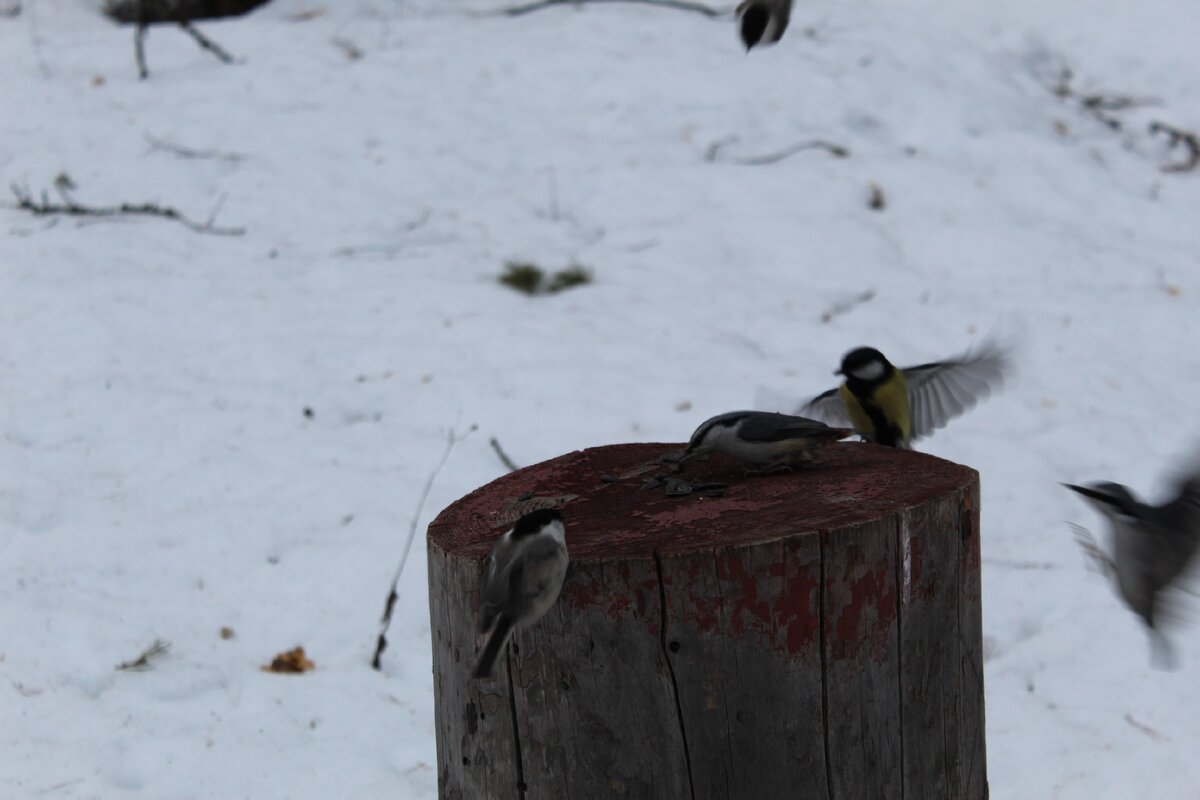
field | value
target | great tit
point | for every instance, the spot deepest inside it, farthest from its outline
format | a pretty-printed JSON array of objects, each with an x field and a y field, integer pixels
[
  {"x": 772, "y": 441},
  {"x": 896, "y": 406},
  {"x": 762, "y": 22},
  {"x": 1152, "y": 547},
  {"x": 522, "y": 578}
]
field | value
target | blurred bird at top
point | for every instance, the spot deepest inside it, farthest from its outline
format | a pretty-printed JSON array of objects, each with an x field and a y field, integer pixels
[
  {"x": 762, "y": 22},
  {"x": 895, "y": 406},
  {"x": 1152, "y": 548}
]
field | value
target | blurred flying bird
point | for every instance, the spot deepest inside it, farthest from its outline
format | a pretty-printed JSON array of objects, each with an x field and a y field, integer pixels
[
  {"x": 1152, "y": 548},
  {"x": 896, "y": 406}
]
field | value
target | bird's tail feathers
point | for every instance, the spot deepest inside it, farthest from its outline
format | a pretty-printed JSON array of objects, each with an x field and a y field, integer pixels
[
  {"x": 1162, "y": 655},
  {"x": 491, "y": 650}
]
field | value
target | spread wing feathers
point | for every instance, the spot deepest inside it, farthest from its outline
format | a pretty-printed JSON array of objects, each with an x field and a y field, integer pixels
[
  {"x": 939, "y": 392},
  {"x": 779, "y": 427},
  {"x": 827, "y": 407}
]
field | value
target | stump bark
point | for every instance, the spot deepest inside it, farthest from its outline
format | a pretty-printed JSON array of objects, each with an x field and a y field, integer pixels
[{"x": 806, "y": 635}]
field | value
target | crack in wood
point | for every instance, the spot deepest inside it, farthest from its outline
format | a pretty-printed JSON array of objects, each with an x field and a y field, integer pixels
[
  {"x": 822, "y": 643},
  {"x": 512, "y": 707},
  {"x": 902, "y": 591},
  {"x": 662, "y": 630}
]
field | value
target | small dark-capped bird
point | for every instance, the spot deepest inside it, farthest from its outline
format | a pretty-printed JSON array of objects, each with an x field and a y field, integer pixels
[
  {"x": 523, "y": 576},
  {"x": 762, "y": 22},
  {"x": 895, "y": 407},
  {"x": 1151, "y": 548},
  {"x": 771, "y": 441}
]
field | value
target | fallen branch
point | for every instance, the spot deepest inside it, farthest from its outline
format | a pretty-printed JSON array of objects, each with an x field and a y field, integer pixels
[
  {"x": 1176, "y": 137},
  {"x": 452, "y": 438},
  {"x": 677, "y": 5},
  {"x": 714, "y": 151},
  {"x": 157, "y": 649},
  {"x": 43, "y": 207},
  {"x": 503, "y": 456}
]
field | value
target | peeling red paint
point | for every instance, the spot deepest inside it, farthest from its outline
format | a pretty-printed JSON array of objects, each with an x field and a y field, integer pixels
[{"x": 798, "y": 607}]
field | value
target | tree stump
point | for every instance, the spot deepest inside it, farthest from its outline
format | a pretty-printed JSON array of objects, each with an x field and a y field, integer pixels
[{"x": 814, "y": 634}]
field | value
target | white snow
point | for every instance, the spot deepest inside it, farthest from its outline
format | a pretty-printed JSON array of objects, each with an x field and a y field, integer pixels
[{"x": 159, "y": 479}]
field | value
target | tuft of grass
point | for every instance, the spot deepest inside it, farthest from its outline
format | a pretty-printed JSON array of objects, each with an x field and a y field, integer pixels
[
  {"x": 157, "y": 649},
  {"x": 522, "y": 276},
  {"x": 532, "y": 280},
  {"x": 574, "y": 275}
]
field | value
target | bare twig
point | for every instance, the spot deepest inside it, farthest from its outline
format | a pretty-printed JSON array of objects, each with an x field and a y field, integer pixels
[
  {"x": 835, "y": 150},
  {"x": 389, "y": 250},
  {"x": 452, "y": 438},
  {"x": 139, "y": 50},
  {"x": 677, "y": 5},
  {"x": 503, "y": 456},
  {"x": 157, "y": 649},
  {"x": 1175, "y": 137},
  {"x": 848, "y": 305},
  {"x": 43, "y": 207},
  {"x": 1146, "y": 729},
  {"x": 162, "y": 145},
  {"x": 206, "y": 43},
  {"x": 714, "y": 149}
]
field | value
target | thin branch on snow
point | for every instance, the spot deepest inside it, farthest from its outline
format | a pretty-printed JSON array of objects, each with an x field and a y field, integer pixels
[
  {"x": 1176, "y": 137},
  {"x": 164, "y": 146},
  {"x": 388, "y": 250},
  {"x": 677, "y": 5},
  {"x": 68, "y": 207},
  {"x": 503, "y": 456},
  {"x": 206, "y": 43},
  {"x": 713, "y": 153},
  {"x": 452, "y": 438}
]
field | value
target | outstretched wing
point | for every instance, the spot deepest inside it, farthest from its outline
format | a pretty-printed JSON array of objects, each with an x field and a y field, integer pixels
[
  {"x": 829, "y": 408},
  {"x": 939, "y": 392},
  {"x": 779, "y": 427}
]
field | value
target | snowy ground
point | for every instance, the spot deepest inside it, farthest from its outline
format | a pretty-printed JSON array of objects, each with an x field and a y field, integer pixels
[{"x": 158, "y": 477}]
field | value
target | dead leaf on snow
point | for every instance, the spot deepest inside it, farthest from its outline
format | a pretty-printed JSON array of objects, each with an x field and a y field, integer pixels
[{"x": 293, "y": 661}]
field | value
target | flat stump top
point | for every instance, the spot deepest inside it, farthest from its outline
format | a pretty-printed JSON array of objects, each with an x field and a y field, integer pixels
[{"x": 609, "y": 515}]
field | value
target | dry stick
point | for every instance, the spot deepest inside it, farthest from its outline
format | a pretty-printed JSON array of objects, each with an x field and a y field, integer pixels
[
  {"x": 165, "y": 146},
  {"x": 835, "y": 150},
  {"x": 25, "y": 202},
  {"x": 139, "y": 50},
  {"x": 1177, "y": 136},
  {"x": 503, "y": 456},
  {"x": 206, "y": 43},
  {"x": 678, "y": 5},
  {"x": 452, "y": 439}
]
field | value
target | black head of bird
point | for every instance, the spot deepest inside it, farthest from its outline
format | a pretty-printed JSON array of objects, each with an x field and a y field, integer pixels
[
  {"x": 864, "y": 364},
  {"x": 762, "y": 22}
]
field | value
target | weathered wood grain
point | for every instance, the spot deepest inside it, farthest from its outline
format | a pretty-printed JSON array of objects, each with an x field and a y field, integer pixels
[{"x": 815, "y": 635}]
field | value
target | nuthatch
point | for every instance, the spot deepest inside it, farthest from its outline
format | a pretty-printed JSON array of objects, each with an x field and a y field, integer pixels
[
  {"x": 762, "y": 22},
  {"x": 771, "y": 441},
  {"x": 523, "y": 576},
  {"x": 1152, "y": 546}
]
